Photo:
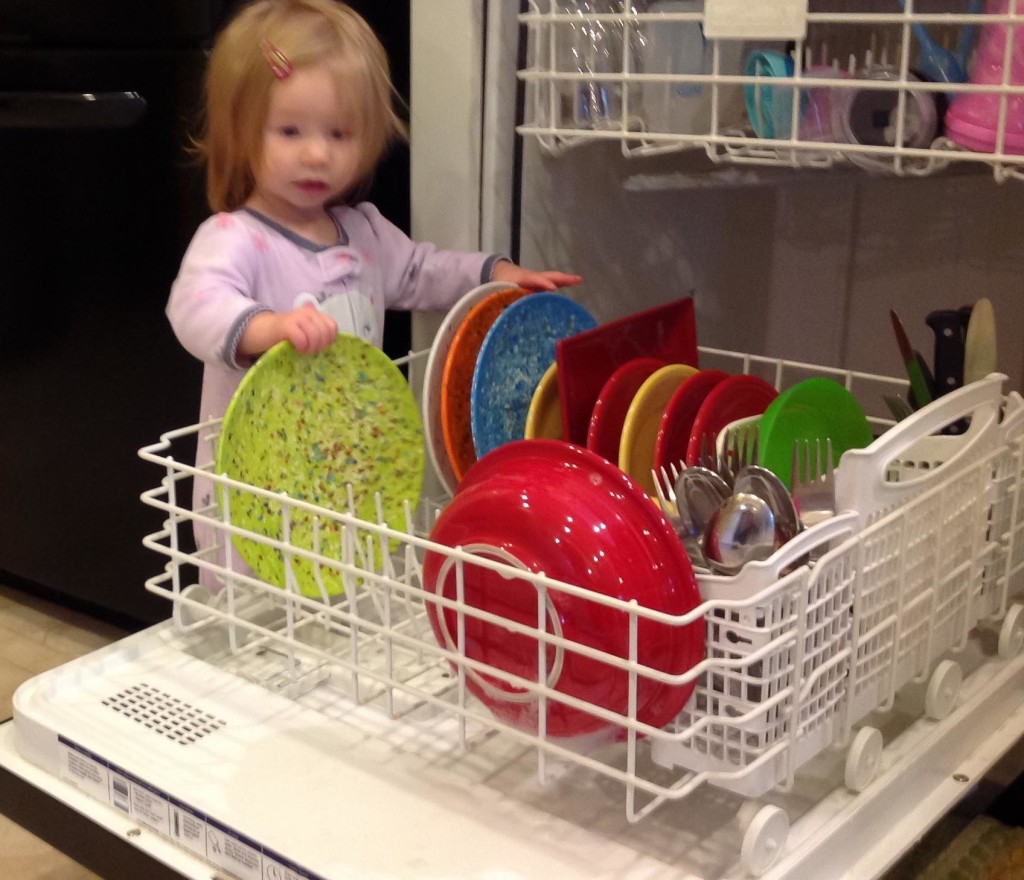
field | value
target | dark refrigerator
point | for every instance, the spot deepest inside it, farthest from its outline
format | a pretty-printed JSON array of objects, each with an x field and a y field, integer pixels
[{"x": 99, "y": 197}]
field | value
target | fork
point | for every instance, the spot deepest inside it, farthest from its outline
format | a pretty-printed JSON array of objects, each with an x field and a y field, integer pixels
[
  {"x": 664, "y": 488},
  {"x": 739, "y": 449},
  {"x": 734, "y": 450},
  {"x": 813, "y": 482}
]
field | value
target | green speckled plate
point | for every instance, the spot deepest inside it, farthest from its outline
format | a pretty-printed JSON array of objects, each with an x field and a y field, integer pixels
[{"x": 310, "y": 426}]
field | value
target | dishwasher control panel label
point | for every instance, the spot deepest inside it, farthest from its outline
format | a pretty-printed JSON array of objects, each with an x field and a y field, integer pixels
[
  {"x": 202, "y": 835},
  {"x": 761, "y": 20}
]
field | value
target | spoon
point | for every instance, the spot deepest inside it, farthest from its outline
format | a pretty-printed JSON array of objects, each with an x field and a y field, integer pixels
[
  {"x": 700, "y": 491},
  {"x": 764, "y": 483},
  {"x": 939, "y": 64},
  {"x": 742, "y": 530}
]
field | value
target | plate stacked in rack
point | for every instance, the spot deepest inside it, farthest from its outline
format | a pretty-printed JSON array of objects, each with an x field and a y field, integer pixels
[
  {"x": 488, "y": 358},
  {"x": 441, "y": 443},
  {"x": 339, "y": 430}
]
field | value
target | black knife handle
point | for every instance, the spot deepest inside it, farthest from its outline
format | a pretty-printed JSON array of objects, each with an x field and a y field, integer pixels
[{"x": 949, "y": 350}]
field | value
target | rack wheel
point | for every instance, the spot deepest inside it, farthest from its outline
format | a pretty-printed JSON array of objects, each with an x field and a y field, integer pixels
[
  {"x": 763, "y": 840},
  {"x": 1011, "y": 633},
  {"x": 943, "y": 688},
  {"x": 862, "y": 759}
]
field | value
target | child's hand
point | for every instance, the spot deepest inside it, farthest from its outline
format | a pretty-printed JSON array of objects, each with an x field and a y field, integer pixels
[
  {"x": 307, "y": 328},
  {"x": 528, "y": 279}
]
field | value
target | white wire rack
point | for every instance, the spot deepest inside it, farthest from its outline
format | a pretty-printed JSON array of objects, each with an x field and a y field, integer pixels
[
  {"x": 849, "y": 81},
  {"x": 797, "y": 654}
]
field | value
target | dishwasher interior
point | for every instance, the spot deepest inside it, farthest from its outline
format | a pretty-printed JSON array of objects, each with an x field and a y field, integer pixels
[{"x": 259, "y": 725}]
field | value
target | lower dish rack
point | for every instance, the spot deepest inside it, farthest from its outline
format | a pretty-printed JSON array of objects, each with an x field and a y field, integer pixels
[{"x": 801, "y": 658}]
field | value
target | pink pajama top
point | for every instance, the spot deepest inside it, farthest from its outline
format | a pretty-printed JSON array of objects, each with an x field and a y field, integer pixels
[{"x": 243, "y": 263}]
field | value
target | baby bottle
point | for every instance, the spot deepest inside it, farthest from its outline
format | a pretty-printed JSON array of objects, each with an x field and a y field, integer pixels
[
  {"x": 972, "y": 120},
  {"x": 680, "y": 47}
]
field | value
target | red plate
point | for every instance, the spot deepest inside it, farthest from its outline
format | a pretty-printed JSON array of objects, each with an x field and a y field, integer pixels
[
  {"x": 587, "y": 360},
  {"x": 677, "y": 422},
  {"x": 612, "y": 404},
  {"x": 547, "y": 506},
  {"x": 734, "y": 398}
]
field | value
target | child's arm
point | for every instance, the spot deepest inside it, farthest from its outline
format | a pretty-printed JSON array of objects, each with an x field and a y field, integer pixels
[
  {"x": 307, "y": 328},
  {"x": 529, "y": 279},
  {"x": 419, "y": 275}
]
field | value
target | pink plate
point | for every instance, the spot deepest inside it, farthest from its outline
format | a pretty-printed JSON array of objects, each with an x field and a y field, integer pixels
[
  {"x": 548, "y": 506},
  {"x": 587, "y": 360},
  {"x": 734, "y": 398},
  {"x": 677, "y": 422},
  {"x": 612, "y": 404}
]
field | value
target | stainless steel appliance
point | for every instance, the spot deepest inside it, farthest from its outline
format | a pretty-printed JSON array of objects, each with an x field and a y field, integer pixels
[{"x": 98, "y": 200}]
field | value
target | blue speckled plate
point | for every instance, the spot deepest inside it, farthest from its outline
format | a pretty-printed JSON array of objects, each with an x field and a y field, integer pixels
[
  {"x": 310, "y": 426},
  {"x": 518, "y": 349}
]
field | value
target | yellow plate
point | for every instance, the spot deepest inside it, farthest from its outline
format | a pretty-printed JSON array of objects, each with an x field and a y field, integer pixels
[
  {"x": 544, "y": 417},
  {"x": 643, "y": 418}
]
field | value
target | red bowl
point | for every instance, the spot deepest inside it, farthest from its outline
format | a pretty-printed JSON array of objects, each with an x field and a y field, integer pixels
[{"x": 549, "y": 507}]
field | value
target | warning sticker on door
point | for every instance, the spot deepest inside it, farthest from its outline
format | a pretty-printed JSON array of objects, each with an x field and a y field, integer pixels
[
  {"x": 84, "y": 772},
  {"x": 158, "y": 811}
]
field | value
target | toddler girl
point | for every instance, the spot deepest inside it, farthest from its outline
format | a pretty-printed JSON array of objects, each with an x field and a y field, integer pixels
[{"x": 299, "y": 111}]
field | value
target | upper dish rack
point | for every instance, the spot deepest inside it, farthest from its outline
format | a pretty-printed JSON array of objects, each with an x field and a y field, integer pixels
[
  {"x": 843, "y": 81},
  {"x": 929, "y": 551}
]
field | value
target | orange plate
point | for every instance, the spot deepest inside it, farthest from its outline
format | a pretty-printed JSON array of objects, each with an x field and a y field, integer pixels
[{"x": 457, "y": 378}]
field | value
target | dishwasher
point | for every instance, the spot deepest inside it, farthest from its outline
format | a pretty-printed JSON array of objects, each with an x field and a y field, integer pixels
[
  {"x": 849, "y": 690},
  {"x": 270, "y": 733}
]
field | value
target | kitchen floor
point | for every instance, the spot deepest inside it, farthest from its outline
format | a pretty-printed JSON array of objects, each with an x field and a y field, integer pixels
[{"x": 36, "y": 635}]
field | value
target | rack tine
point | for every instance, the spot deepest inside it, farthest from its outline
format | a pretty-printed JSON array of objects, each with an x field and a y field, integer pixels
[
  {"x": 813, "y": 481},
  {"x": 707, "y": 458},
  {"x": 727, "y": 459}
]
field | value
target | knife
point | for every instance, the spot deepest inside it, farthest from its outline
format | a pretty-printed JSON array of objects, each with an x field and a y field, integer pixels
[
  {"x": 949, "y": 349},
  {"x": 912, "y": 361},
  {"x": 980, "y": 344}
]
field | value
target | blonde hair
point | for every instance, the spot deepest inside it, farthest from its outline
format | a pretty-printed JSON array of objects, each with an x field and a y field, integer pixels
[{"x": 239, "y": 79}]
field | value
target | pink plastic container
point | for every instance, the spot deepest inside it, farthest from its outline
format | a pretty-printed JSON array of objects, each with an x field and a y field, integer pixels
[{"x": 972, "y": 120}]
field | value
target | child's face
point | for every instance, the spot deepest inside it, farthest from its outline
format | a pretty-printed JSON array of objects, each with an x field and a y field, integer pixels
[{"x": 311, "y": 149}]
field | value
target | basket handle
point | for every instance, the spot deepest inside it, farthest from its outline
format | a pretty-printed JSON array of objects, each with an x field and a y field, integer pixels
[
  {"x": 1013, "y": 417},
  {"x": 861, "y": 483},
  {"x": 793, "y": 552},
  {"x": 981, "y": 398},
  {"x": 843, "y": 523}
]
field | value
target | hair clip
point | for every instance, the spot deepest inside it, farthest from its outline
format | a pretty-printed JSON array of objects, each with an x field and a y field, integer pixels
[{"x": 280, "y": 66}]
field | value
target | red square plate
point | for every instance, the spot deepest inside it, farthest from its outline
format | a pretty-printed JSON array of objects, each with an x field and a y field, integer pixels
[{"x": 586, "y": 360}]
